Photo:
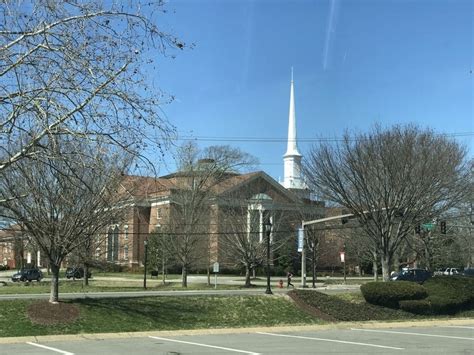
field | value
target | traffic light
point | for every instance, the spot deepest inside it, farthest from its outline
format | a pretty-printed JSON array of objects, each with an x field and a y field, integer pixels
[
  {"x": 418, "y": 229},
  {"x": 443, "y": 227}
]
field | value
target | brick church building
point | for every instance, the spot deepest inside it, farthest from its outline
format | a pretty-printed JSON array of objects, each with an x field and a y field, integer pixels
[{"x": 154, "y": 207}]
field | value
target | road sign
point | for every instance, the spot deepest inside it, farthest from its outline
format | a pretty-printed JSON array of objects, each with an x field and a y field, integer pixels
[
  {"x": 343, "y": 256},
  {"x": 428, "y": 226},
  {"x": 216, "y": 267}
]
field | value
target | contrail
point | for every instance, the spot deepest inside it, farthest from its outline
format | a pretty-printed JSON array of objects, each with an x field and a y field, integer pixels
[{"x": 331, "y": 27}]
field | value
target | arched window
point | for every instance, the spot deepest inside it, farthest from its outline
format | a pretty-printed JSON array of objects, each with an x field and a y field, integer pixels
[
  {"x": 112, "y": 244},
  {"x": 110, "y": 241}
]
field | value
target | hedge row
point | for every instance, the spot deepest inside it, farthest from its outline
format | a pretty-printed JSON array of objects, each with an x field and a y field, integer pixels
[
  {"x": 389, "y": 294},
  {"x": 439, "y": 295},
  {"x": 446, "y": 295}
]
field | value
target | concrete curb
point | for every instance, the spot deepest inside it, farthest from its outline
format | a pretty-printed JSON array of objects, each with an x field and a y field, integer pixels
[{"x": 287, "y": 328}]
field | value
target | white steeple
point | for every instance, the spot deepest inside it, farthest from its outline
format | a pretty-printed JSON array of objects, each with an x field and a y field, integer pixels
[
  {"x": 292, "y": 158},
  {"x": 292, "y": 148}
]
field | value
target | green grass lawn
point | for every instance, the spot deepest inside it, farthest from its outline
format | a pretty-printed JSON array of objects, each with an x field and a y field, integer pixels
[
  {"x": 158, "y": 313},
  {"x": 70, "y": 286}
]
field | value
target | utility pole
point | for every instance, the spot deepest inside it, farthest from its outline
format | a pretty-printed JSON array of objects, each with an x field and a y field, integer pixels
[
  {"x": 145, "y": 262},
  {"x": 301, "y": 248}
]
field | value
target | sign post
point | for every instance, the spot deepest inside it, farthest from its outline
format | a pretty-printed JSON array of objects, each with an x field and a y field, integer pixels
[
  {"x": 216, "y": 270},
  {"x": 343, "y": 261},
  {"x": 303, "y": 255}
]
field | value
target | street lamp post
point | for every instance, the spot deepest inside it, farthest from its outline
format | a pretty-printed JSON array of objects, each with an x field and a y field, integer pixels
[
  {"x": 145, "y": 262},
  {"x": 268, "y": 230}
]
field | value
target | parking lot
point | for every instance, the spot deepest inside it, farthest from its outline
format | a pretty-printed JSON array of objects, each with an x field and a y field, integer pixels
[{"x": 440, "y": 339}]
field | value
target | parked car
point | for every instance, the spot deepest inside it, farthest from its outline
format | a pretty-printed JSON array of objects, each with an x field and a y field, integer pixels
[
  {"x": 27, "y": 275},
  {"x": 415, "y": 275},
  {"x": 468, "y": 272},
  {"x": 76, "y": 273},
  {"x": 450, "y": 271}
]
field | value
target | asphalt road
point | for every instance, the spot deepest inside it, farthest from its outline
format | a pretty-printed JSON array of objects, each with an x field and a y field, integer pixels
[{"x": 444, "y": 338}]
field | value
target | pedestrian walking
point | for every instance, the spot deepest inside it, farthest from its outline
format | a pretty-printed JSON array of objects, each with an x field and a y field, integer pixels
[{"x": 289, "y": 276}]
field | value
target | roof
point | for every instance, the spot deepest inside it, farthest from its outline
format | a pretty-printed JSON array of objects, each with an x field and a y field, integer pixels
[
  {"x": 143, "y": 187},
  {"x": 235, "y": 183}
]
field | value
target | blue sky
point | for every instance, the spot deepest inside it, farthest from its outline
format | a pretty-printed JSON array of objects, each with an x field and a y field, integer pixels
[{"x": 356, "y": 63}]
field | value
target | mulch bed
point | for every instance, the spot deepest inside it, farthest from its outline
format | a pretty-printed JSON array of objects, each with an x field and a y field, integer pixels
[
  {"x": 45, "y": 313},
  {"x": 310, "y": 309}
]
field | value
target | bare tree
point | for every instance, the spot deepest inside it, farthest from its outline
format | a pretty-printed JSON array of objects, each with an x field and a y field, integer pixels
[
  {"x": 159, "y": 256},
  {"x": 80, "y": 68},
  {"x": 363, "y": 248},
  {"x": 200, "y": 171},
  {"x": 242, "y": 241},
  {"x": 64, "y": 201},
  {"x": 403, "y": 176},
  {"x": 313, "y": 237},
  {"x": 450, "y": 249}
]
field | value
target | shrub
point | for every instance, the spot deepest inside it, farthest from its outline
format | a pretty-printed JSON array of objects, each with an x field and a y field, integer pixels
[
  {"x": 450, "y": 294},
  {"x": 416, "y": 306},
  {"x": 455, "y": 287},
  {"x": 105, "y": 266},
  {"x": 389, "y": 294},
  {"x": 446, "y": 295}
]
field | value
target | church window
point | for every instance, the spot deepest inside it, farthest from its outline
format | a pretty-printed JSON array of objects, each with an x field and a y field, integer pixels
[
  {"x": 125, "y": 252},
  {"x": 112, "y": 244}
]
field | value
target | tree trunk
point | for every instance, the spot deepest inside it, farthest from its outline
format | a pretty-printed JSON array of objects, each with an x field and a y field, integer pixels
[
  {"x": 86, "y": 275},
  {"x": 375, "y": 268},
  {"x": 54, "y": 294},
  {"x": 427, "y": 257},
  {"x": 247, "y": 276},
  {"x": 385, "y": 267},
  {"x": 313, "y": 266},
  {"x": 184, "y": 275},
  {"x": 208, "y": 275},
  {"x": 163, "y": 270}
]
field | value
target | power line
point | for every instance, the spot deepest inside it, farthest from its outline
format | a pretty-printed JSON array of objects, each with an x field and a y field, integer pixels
[{"x": 285, "y": 139}]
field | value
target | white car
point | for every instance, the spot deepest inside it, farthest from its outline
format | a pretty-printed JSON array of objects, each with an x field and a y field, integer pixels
[{"x": 451, "y": 271}]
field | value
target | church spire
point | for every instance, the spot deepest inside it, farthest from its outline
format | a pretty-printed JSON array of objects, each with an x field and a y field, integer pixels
[
  {"x": 292, "y": 148},
  {"x": 292, "y": 158}
]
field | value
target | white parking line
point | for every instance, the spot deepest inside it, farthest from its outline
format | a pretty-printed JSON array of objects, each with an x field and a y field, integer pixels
[
  {"x": 206, "y": 345},
  {"x": 331, "y": 340},
  {"x": 458, "y": 326},
  {"x": 410, "y": 333},
  {"x": 49, "y": 348}
]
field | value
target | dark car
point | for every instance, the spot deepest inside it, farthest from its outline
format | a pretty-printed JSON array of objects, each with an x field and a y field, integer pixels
[
  {"x": 468, "y": 272},
  {"x": 76, "y": 273},
  {"x": 415, "y": 275},
  {"x": 27, "y": 275}
]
